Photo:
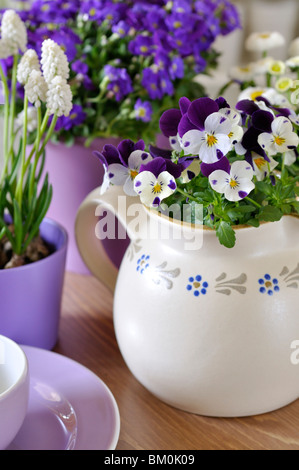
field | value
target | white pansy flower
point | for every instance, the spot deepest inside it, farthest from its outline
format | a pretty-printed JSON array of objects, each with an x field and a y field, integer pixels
[
  {"x": 261, "y": 42},
  {"x": 4, "y": 49},
  {"x": 235, "y": 185},
  {"x": 54, "y": 61},
  {"x": 28, "y": 63},
  {"x": 152, "y": 188},
  {"x": 175, "y": 143},
  {"x": 120, "y": 175},
  {"x": 277, "y": 67},
  {"x": 284, "y": 84},
  {"x": 280, "y": 139},
  {"x": 31, "y": 119},
  {"x": 294, "y": 48},
  {"x": 206, "y": 143},
  {"x": 237, "y": 131},
  {"x": 59, "y": 97},
  {"x": 262, "y": 167},
  {"x": 261, "y": 66},
  {"x": 293, "y": 62},
  {"x": 191, "y": 171},
  {"x": 13, "y": 32},
  {"x": 275, "y": 98},
  {"x": 36, "y": 88},
  {"x": 289, "y": 157},
  {"x": 242, "y": 73}
]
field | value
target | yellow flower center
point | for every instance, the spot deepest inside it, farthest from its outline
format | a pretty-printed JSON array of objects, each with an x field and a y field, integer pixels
[
  {"x": 177, "y": 24},
  {"x": 92, "y": 12},
  {"x": 255, "y": 94},
  {"x": 73, "y": 116},
  {"x": 233, "y": 183},
  {"x": 244, "y": 69},
  {"x": 230, "y": 135},
  {"x": 268, "y": 284},
  {"x": 279, "y": 140},
  {"x": 265, "y": 35},
  {"x": 211, "y": 140},
  {"x": 45, "y": 8},
  {"x": 157, "y": 188},
  {"x": 133, "y": 174},
  {"x": 260, "y": 162},
  {"x": 141, "y": 112},
  {"x": 144, "y": 48}
]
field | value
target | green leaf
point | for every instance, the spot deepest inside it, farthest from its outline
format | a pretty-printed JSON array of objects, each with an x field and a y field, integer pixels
[
  {"x": 270, "y": 214},
  {"x": 226, "y": 235}
]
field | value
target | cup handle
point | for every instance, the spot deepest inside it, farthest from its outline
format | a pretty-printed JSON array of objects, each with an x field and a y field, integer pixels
[{"x": 89, "y": 244}]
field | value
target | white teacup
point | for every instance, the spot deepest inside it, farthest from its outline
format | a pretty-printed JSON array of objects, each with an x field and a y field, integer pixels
[{"x": 14, "y": 390}]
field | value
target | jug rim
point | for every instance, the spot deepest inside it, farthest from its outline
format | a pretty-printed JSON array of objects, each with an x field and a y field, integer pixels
[{"x": 193, "y": 226}]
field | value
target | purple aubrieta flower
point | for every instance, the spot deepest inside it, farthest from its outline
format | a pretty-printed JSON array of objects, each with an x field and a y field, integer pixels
[
  {"x": 121, "y": 28},
  {"x": 143, "y": 110},
  {"x": 120, "y": 83},
  {"x": 142, "y": 45},
  {"x": 76, "y": 117}
]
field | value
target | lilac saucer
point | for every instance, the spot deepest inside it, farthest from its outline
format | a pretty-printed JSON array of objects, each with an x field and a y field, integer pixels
[{"x": 70, "y": 408}]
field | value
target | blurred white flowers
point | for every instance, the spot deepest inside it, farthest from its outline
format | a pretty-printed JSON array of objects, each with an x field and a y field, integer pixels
[
  {"x": 13, "y": 32},
  {"x": 54, "y": 61},
  {"x": 28, "y": 63},
  {"x": 36, "y": 88},
  {"x": 59, "y": 97},
  {"x": 262, "y": 42}
]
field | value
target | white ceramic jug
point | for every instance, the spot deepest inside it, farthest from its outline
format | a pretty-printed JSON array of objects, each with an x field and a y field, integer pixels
[{"x": 206, "y": 329}]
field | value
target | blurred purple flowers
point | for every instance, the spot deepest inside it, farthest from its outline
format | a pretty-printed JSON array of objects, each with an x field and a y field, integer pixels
[{"x": 130, "y": 47}]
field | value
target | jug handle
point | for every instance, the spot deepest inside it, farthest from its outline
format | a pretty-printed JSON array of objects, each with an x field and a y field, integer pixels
[{"x": 89, "y": 245}]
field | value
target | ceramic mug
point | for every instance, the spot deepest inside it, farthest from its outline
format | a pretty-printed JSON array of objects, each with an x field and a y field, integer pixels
[{"x": 14, "y": 390}]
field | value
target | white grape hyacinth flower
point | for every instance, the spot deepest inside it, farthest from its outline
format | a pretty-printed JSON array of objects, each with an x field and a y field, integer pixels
[
  {"x": 262, "y": 42},
  {"x": 235, "y": 185},
  {"x": 59, "y": 97},
  {"x": 4, "y": 49},
  {"x": 31, "y": 119},
  {"x": 28, "y": 63},
  {"x": 36, "y": 88},
  {"x": 280, "y": 139},
  {"x": 13, "y": 32},
  {"x": 54, "y": 61}
]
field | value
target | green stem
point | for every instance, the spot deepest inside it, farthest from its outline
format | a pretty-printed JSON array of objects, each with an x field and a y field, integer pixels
[
  {"x": 13, "y": 103},
  {"x": 181, "y": 191},
  {"x": 36, "y": 146},
  {"x": 19, "y": 190},
  {"x": 253, "y": 202},
  {"x": 5, "y": 129}
]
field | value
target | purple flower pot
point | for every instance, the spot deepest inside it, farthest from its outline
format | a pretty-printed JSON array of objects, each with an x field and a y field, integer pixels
[
  {"x": 31, "y": 295},
  {"x": 74, "y": 172}
]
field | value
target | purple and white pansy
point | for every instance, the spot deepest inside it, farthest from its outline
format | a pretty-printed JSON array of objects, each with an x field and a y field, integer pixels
[
  {"x": 235, "y": 184},
  {"x": 155, "y": 182},
  {"x": 232, "y": 148}
]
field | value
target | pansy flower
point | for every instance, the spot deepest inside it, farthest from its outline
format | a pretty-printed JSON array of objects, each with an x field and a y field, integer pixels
[
  {"x": 262, "y": 167},
  {"x": 236, "y": 184},
  {"x": 209, "y": 142},
  {"x": 156, "y": 181},
  {"x": 281, "y": 138},
  {"x": 122, "y": 164}
]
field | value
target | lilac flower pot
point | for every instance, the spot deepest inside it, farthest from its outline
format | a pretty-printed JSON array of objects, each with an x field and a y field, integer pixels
[
  {"x": 74, "y": 172},
  {"x": 31, "y": 295}
]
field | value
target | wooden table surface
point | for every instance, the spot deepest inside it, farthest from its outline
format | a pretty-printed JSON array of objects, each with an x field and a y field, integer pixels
[{"x": 87, "y": 336}]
